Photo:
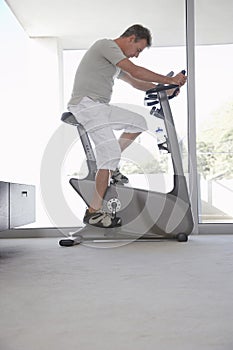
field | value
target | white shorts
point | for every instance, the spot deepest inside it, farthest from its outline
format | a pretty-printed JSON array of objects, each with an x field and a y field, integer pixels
[{"x": 99, "y": 120}]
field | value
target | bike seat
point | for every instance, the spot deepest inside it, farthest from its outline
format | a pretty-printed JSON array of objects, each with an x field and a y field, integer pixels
[{"x": 69, "y": 118}]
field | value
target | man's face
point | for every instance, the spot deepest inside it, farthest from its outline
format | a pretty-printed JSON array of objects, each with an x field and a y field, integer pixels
[{"x": 133, "y": 48}]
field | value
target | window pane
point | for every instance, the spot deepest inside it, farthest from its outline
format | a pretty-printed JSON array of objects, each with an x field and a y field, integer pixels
[{"x": 214, "y": 112}]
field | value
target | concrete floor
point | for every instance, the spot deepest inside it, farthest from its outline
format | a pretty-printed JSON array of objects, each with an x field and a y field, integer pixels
[{"x": 161, "y": 295}]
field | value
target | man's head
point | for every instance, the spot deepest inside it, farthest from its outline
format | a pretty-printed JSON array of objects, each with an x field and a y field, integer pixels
[
  {"x": 134, "y": 40},
  {"x": 139, "y": 32}
]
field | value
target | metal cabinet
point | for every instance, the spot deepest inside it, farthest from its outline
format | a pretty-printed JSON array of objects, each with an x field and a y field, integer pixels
[
  {"x": 17, "y": 205},
  {"x": 4, "y": 206}
]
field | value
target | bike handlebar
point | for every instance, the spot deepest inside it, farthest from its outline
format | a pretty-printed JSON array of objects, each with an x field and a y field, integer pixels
[
  {"x": 151, "y": 97},
  {"x": 162, "y": 87}
]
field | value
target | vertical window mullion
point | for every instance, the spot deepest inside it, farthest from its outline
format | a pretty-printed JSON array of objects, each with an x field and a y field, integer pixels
[{"x": 190, "y": 47}]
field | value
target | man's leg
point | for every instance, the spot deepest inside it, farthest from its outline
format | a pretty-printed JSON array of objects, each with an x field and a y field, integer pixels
[
  {"x": 94, "y": 215},
  {"x": 126, "y": 139},
  {"x": 102, "y": 176},
  {"x": 101, "y": 184},
  {"x": 95, "y": 118}
]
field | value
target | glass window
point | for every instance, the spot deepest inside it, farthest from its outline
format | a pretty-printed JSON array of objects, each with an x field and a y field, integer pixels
[{"x": 214, "y": 111}]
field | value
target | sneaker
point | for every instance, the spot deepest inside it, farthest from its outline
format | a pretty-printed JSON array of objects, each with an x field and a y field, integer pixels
[
  {"x": 101, "y": 219},
  {"x": 118, "y": 177}
]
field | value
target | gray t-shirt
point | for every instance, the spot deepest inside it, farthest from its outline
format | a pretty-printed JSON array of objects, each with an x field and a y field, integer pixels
[{"x": 96, "y": 72}]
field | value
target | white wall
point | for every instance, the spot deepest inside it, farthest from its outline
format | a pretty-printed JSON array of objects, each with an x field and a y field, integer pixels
[{"x": 31, "y": 97}]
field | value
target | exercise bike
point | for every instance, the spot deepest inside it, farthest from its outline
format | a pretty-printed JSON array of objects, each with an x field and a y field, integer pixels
[{"x": 145, "y": 214}]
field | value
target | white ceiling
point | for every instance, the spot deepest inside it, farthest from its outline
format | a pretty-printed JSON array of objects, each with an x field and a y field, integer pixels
[{"x": 79, "y": 23}]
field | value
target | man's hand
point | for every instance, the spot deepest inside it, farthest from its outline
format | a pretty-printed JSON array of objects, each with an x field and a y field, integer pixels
[{"x": 179, "y": 79}]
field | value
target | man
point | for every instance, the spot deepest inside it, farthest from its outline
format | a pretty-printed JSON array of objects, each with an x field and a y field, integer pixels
[{"x": 105, "y": 60}]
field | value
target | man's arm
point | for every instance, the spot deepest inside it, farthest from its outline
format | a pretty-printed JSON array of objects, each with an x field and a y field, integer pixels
[
  {"x": 144, "y": 85},
  {"x": 146, "y": 75},
  {"x": 136, "y": 83}
]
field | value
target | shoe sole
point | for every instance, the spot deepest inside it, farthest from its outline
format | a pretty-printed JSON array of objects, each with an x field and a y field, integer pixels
[{"x": 118, "y": 224}]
